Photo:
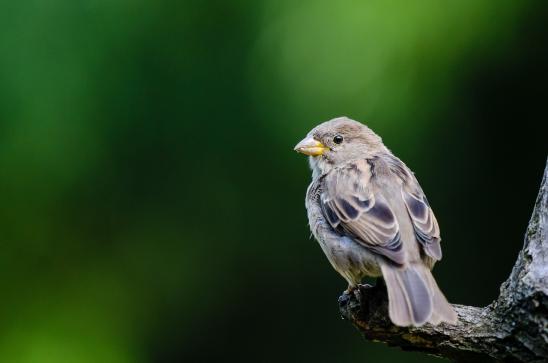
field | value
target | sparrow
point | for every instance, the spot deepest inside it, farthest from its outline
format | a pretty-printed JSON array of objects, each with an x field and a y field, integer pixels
[{"x": 371, "y": 218}]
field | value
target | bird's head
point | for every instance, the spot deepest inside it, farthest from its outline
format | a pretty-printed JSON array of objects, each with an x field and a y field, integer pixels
[{"x": 338, "y": 141}]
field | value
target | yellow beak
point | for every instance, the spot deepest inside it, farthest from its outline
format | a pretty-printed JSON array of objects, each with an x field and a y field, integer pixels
[{"x": 311, "y": 146}]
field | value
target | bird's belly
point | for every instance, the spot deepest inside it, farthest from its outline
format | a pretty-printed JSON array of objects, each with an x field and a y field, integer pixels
[{"x": 349, "y": 259}]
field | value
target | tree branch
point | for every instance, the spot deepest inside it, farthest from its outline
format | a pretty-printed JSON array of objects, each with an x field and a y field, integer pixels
[{"x": 514, "y": 328}]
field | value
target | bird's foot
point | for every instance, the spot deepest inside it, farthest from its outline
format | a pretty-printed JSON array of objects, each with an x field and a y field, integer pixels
[
  {"x": 365, "y": 286},
  {"x": 355, "y": 291},
  {"x": 354, "y": 295},
  {"x": 347, "y": 296},
  {"x": 350, "y": 290}
]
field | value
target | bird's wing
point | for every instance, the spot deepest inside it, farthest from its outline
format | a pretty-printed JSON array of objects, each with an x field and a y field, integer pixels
[
  {"x": 425, "y": 224},
  {"x": 351, "y": 207}
]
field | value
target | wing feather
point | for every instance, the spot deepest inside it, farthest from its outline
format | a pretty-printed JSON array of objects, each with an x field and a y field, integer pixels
[
  {"x": 351, "y": 207},
  {"x": 425, "y": 224}
]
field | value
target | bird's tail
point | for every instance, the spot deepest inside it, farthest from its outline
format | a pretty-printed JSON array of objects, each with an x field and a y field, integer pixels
[{"x": 414, "y": 297}]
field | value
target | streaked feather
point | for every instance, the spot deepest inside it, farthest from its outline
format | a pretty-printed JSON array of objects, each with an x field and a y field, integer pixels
[
  {"x": 351, "y": 207},
  {"x": 424, "y": 222}
]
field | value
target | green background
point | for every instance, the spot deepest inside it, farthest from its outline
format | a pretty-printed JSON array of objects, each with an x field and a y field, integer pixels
[{"x": 151, "y": 203}]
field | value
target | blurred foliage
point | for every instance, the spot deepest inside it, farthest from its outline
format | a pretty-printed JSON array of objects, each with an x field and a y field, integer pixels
[{"x": 152, "y": 206}]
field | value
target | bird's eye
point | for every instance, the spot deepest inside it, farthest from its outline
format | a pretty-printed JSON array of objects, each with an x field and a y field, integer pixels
[{"x": 338, "y": 139}]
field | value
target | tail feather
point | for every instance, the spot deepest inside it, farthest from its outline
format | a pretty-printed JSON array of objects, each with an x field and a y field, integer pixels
[
  {"x": 442, "y": 310},
  {"x": 414, "y": 298}
]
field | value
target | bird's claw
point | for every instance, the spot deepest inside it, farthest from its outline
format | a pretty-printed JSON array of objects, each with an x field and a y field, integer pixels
[
  {"x": 356, "y": 291},
  {"x": 364, "y": 286}
]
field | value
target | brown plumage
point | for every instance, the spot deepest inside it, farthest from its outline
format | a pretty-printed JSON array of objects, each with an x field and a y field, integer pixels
[{"x": 371, "y": 218}]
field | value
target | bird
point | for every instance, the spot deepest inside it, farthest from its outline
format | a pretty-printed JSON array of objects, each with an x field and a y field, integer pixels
[{"x": 371, "y": 218}]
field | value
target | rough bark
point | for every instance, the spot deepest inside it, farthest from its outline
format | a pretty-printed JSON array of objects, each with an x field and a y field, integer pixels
[{"x": 514, "y": 328}]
